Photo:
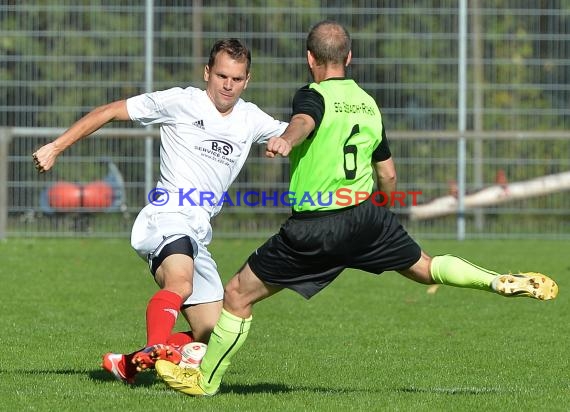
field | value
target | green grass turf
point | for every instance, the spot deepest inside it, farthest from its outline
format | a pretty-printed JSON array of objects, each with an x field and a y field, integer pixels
[{"x": 365, "y": 343}]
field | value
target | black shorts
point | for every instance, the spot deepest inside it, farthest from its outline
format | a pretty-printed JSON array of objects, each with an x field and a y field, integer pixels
[{"x": 312, "y": 249}]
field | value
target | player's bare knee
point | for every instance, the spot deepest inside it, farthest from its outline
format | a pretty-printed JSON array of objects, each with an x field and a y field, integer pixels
[
  {"x": 179, "y": 285},
  {"x": 235, "y": 298},
  {"x": 420, "y": 271},
  {"x": 231, "y": 290}
]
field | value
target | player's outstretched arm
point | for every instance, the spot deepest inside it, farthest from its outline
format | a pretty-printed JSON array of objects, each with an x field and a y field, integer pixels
[
  {"x": 299, "y": 128},
  {"x": 45, "y": 156}
]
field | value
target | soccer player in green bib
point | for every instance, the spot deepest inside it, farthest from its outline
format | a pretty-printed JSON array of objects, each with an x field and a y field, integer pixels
[{"x": 336, "y": 144}]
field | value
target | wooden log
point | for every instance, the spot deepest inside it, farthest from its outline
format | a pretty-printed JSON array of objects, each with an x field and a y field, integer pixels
[{"x": 493, "y": 195}]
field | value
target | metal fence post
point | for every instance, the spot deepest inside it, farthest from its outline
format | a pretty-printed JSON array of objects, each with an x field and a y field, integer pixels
[
  {"x": 149, "y": 77},
  {"x": 5, "y": 137},
  {"x": 462, "y": 117}
]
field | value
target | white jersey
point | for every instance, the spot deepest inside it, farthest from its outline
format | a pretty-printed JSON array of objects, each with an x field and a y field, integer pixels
[{"x": 202, "y": 151}]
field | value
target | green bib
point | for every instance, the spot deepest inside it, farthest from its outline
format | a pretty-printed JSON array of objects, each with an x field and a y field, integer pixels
[{"x": 333, "y": 168}]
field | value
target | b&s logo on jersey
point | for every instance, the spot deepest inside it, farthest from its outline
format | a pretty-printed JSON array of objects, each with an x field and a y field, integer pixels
[
  {"x": 218, "y": 150},
  {"x": 220, "y": 146}
]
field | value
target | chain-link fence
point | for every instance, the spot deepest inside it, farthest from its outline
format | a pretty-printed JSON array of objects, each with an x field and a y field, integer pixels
[
  {"x": 97, "y": 186},
  {"x": 61, "y": 58}
]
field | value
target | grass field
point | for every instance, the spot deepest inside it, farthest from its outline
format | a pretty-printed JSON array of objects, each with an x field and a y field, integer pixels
[{"x": 366, "y": 343}]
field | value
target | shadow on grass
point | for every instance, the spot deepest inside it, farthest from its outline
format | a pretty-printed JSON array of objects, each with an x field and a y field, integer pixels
[
  {"x": 149, "y": 378},
  {"x": 451, "y": 391},
  {"x": 144, "y": 379},
  {"x": 275, "y": 388}
]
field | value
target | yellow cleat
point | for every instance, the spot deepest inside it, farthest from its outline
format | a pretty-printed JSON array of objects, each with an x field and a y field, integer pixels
[
  {"x": 532, "y": 285},
  {"x": 185, "y": 380}
]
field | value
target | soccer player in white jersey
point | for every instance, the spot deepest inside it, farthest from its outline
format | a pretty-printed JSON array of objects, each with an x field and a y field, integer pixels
[{"x": 205, "y": 136}]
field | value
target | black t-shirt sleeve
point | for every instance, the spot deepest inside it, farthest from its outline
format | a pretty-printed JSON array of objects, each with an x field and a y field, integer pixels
[
  {"x": 308, "y": 101},
  {"x": 382, "y": 152}
]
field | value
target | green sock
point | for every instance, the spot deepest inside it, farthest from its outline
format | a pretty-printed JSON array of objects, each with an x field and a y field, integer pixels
[
  {"x": 229, "y": 334},
  {"x": 455, "y": 271}
]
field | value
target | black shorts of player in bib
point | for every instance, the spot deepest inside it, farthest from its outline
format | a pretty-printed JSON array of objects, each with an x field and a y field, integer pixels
[{"x": 313, "y": 248}]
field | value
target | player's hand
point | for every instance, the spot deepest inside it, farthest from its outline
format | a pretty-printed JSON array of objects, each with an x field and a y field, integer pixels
[
  {"x": 277, "y": 146},
  {"x": 44, "y": 157}
]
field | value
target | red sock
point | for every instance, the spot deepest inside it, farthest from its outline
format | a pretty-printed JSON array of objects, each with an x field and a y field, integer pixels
[
  {"x": 161, "y": 313},
  {"x": 180, "y": 339}
]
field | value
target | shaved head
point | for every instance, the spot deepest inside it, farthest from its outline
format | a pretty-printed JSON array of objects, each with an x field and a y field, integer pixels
[{"x": 329, "y": 42}]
